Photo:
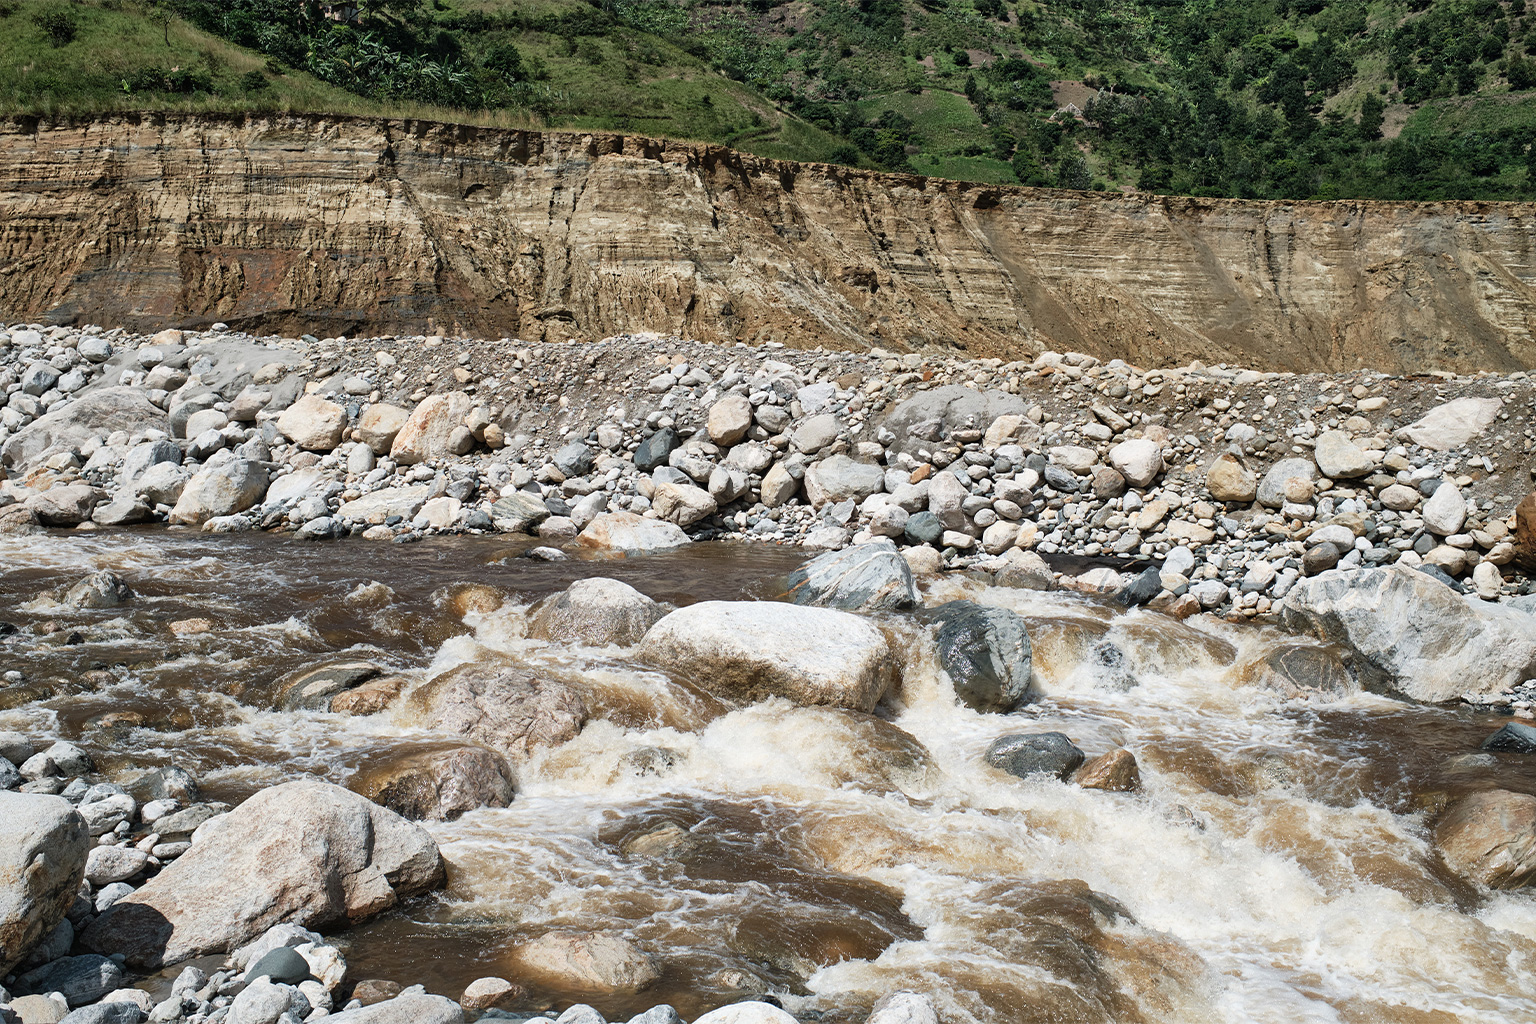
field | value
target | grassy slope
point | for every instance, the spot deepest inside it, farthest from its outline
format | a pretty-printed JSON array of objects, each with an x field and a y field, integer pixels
[{"x": 624, "y": 79}]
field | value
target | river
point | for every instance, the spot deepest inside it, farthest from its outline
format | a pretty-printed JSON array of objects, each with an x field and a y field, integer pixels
[{"x": 1274, "y": 866}]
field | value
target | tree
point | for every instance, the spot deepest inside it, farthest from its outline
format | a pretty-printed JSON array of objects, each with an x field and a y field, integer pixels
[{"x": 1372, "y": 113}]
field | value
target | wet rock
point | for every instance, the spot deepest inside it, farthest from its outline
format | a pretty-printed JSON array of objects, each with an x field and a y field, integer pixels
[
  {"x": 868, "y": 577},
  {"x": 502, "y": 706},
  {"x": 282, "y": 965},
  {"x": 1490, "y": 838},
  {"x": 440, "y": 785},
  {"x": 1515, "y": 737},
  {"x": 42, "y": 862},
  {"x": 220, "y": 488},
  {"x": 1142, "y": 588},
  {"x": 595, "y": 612},
  {"x": 369, "y": 698},
  {"x": 372, "y": 991},
  {"x": 1230, "y": 479},
  {"x": 387, "y": 503},
  {"x": 1453, "y": 424},
  {"x": 411, "y": 1007},
  {"x": 986, "y": 653},
  {"x": 624, "y": 533},
  {"x": 587, "y": 962},
  {"x": 1413, "y": 635},
  {"x": 428, "y": 433},
  {"x": 750, "y": 1012},
  {"x": 66, "y": 505},
  {"x": 903, "y": 1008},
  {"x": 102, "y": 589},
  {"x": 1114, "y": 772},
  {"x": 491, "y": 993},
  {"x": 313, "y": 424},
  {"x": 749, "y": 650},
  {"x": 1045, "y": 753},
  {"x": 1300, "y": 669},
  {"x": 313, "y": 688},
  {"x": 305, "y": 852},
  {"x": 80, "y": 979}
]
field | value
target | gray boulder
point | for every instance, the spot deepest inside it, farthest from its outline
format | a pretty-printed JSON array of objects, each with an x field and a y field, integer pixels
[
  {"x": 104, "y": 1013},
  {"x": 869, "y": 577},
  {"x": 931, "y": 416},
  {"x": 986, "y": 653},
  {"x": 308, "y": 853},
  {"x": 839, "y": 478},
  {"x": 42, "y": 862},
  {"x": 102, "y": 589},
  {"x": 1412, "y": 635},
  {"x": 406, "y": 1008},
  {"x": 595, "y": 612},
  {"x": 656, "y": 449},
  {"x": 94, "y": 415},
  {"x": 1045, "y": 753},
  {"x": 1272, "y": 487},
  {"x": 79, "y": 979}
]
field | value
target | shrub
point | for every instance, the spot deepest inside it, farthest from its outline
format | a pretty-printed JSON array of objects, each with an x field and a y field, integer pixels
[{"x": 59, "y": 25}]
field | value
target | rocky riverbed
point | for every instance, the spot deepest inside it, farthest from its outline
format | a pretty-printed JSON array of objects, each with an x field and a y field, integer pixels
[{"x": 759, "y": 683}]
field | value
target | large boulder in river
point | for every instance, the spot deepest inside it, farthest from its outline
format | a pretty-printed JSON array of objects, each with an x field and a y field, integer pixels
[
  {"x": 751, "y": 650},
  {"x": 1490, "y": 837},
  {"x": 867, "y": 577},
  {"x": 596, "y": 612},
  {"x": 624, "y": 533},
  {"x": 437, "y": 785},
  {"x": 42, "y": 862},
  {"x": 221, "y": 488},
  {"x": 500, "y": 705},
  {"x": 94, "y": 415},
  {"x": 1413, "y": 635},
  {"x": 985, "y": 652},
  {"x": 305, "y": 853}
]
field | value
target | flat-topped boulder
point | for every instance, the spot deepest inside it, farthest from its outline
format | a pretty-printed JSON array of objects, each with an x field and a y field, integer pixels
[{"x": 747, "y": 651}]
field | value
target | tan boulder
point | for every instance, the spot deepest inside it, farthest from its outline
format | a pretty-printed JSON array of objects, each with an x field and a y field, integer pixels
[
  {"x": 428, "y": 432},
  {"x": 502, "y": 706},
  {"x": 313, "y": 423},
  {"x": 1115, "y": 772},
  {"x": 1490, "y": 837},
  {"x": 437, "y": 785},
  {"x": 586, "y": 962},
  {"x": 1228, "y": 479},
  {"x": 379, "y": 425}
]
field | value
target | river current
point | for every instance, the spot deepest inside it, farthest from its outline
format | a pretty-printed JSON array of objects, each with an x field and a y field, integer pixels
[{"x": 1274, "y": 866}]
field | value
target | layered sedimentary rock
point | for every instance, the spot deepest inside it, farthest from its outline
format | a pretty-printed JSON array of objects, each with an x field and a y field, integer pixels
[{"x": 295, "y": 223}]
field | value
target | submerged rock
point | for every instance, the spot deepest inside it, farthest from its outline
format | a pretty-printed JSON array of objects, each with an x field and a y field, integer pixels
[
  {"x": 587, "y": 962},
  {"x": 314, "y": 688},
  {"x": 596, "y": 612},
  {"x": 869, "y": 577},
  {"x": 1490, "y": 837},
  {"x": 1300, "y": 669},
  {"x": 749, "y": 650},
  {"x": 1413, "y": 635},
  {"x": 504, "y": 707},
  {"x": 985, "y": 652},
  {"x": 308, "y": 853},
  {"x": 1115, "y": 772},
  {"x": 42, "y": 861},
  {"x": 102, "y": 589},
  {"x": 1516, "y": 737},
  {"x": 439, "y": 785}
]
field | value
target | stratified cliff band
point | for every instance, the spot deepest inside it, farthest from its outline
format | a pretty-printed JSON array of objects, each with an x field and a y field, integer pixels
[{"x": 292, "y": 224}]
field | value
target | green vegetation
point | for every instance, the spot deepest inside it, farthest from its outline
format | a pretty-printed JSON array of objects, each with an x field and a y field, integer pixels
[{"x": 1418, "y": 99}]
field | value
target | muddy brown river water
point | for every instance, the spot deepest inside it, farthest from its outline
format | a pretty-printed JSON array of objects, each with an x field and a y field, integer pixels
[{"x": 1273, "y": 868}]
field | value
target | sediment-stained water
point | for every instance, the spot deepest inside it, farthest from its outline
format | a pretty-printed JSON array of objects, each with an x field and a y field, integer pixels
[{"x": 1274, "y": 867}]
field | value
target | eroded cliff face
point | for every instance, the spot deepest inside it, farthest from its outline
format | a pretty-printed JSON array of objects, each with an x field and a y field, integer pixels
[{"x": 328, "y": 225}]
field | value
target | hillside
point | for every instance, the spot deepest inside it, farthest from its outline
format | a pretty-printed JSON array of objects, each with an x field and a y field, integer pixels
[
  {"x": 366, "y": 226},
  {"x": 1398, "y": 99}
]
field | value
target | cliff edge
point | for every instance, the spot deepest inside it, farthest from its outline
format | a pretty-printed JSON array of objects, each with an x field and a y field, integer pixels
[{"x": 288, "y": 223}]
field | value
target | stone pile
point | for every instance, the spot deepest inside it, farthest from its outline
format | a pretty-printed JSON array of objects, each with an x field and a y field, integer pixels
[{"x": 1235, "y": 484}]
